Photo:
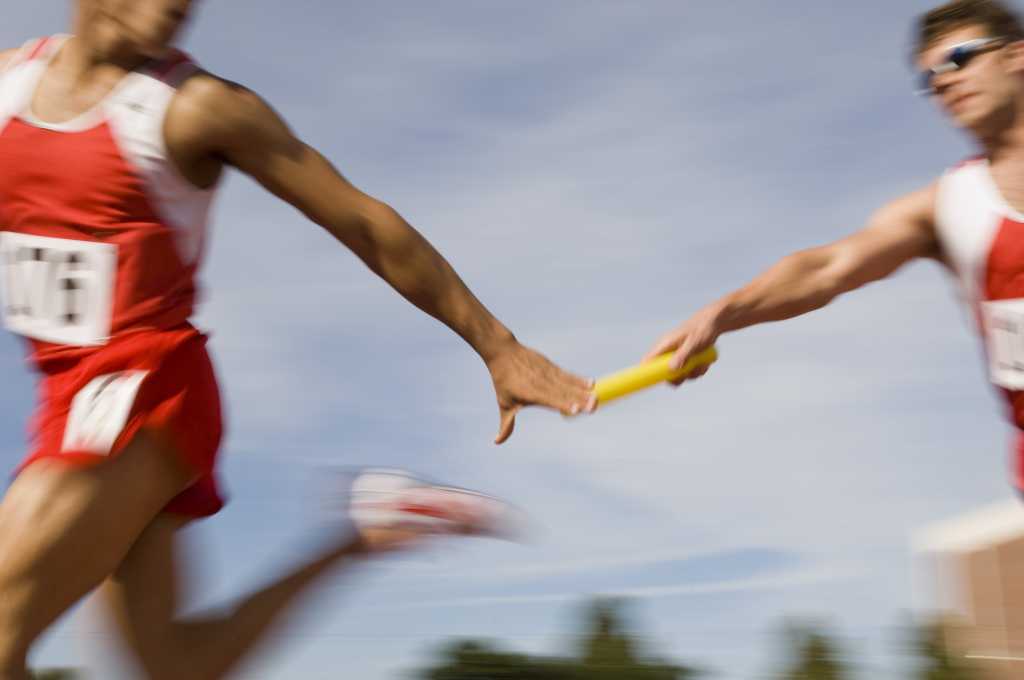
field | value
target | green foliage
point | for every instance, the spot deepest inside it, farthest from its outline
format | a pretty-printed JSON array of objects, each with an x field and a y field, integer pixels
[
  {"x": 606, "y": 653},
  {"x": 935, "y": 660},
  {"x": 57, "y": 674},
  {"x": 471, "y": 660},
  {"x": 814, "y": 655}
]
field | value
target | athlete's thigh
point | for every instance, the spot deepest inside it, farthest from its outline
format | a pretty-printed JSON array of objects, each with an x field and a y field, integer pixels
[
  {"x": 64, "y": 528},
  {"x": 142, "y": 596}
]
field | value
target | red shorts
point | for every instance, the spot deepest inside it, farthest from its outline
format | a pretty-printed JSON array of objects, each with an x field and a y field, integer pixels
[{"x": 160, "y": 380}]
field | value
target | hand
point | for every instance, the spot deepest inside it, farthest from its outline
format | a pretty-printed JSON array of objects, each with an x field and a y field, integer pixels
[
  {"x": 691, "y": 337},
  {"x": 523, "y": 377}
]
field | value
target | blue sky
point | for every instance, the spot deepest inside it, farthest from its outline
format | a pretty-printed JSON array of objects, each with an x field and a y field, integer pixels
[{"x": 596, "y": 171}]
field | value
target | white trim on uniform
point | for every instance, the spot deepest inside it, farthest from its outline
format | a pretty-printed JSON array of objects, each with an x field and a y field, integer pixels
[{"x": 135, "y": 110}]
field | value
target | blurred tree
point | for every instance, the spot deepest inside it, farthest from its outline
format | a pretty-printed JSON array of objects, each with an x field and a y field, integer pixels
[
  {"x": 813, "y": 655},
  {"x": 57, "y": 674},
  {"x": 606, "y": 652},
  {"x": 935, "y": 660},
  {"x": 473, "y": 660}
]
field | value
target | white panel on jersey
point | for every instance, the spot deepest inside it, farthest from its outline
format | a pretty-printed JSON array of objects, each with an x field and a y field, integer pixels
[
  {"x": 100, "y": 411},
  {"x": 135, "y": 110},
  {"x": 17, "y": 85},
  {"x": 1004, "y": 338},
  {"x": 136, "y": 114},
  {"x": 57, "y": 290},
  {"x": 967, "y": 220}
]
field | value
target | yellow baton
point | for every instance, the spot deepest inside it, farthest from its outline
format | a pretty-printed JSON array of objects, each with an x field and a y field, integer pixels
[{"x": 643, "y": 375}]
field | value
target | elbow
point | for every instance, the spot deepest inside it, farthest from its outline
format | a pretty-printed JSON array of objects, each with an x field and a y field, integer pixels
[
  {"x": 377, "y": 213},
  {"x": 361, "y": 226},
  {"x": 825, "y": 276}
]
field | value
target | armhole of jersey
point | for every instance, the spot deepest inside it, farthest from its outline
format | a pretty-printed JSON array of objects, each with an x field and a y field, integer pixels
[
  {"x": 27, "y": 52},
  {"x": 174, "y": 76},
  {"x": 943, "y": 188}
]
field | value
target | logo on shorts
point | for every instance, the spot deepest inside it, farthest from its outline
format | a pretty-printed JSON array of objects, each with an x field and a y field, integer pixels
[{"x": 100, "y": 411}]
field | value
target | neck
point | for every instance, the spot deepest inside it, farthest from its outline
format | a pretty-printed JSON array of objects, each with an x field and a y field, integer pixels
[
  {"x": 1005, "y": 137},
  {"x": 91, "y": 50}
]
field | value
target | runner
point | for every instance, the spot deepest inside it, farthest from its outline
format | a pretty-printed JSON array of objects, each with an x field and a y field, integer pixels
[
  {"x": 112, "y": 144},
  {"x": 970, "y": 56}
]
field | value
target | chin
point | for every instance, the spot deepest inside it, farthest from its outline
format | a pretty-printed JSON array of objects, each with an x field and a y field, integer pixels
[{"x": 980, "y": 123}]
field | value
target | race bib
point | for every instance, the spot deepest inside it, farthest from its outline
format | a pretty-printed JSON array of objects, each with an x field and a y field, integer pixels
[
  {"x": 57, "y": 290},
  {"x": 100, "y": 411},
  {"x": 1004, "y": 337}
]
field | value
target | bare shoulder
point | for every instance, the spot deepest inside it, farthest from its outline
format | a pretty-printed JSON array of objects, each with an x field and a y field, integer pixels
[
  {"x": 207, "y": 92},
  {"x": 213, "y": 121},
  {"x": 907, "y": 224},
  {"x": 5, "y": 57},
  {"x": 194, "y": 128},
  {"x": 207, "y": 102},
  {"x": 911, "y": 211}
]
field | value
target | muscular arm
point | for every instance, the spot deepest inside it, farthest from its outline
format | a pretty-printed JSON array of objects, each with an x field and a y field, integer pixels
[
  {"x": 225, "y": 121},
  {"x": 807, "y": 280},
  {"x": 213, "y": 123}
]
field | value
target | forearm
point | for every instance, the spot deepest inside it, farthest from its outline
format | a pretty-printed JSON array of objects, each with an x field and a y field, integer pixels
[
  {"x": 797, "y": 284},
  {"x": 401, "y": 256}
]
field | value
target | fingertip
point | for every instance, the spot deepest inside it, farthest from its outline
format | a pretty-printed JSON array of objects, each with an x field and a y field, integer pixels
[{"x": 508, "y": 424}]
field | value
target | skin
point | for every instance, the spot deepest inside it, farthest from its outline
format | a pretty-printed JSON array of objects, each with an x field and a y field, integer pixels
[
  {"x": 213, "y": 124},
  {"x": 986, "y": 100},
  {"x": 63, "y": 530}
]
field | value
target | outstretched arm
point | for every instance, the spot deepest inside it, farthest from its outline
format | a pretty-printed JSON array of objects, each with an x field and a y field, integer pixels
[
  {"x": 807, "y": 280},
  {"x": 214, "y": 119}
]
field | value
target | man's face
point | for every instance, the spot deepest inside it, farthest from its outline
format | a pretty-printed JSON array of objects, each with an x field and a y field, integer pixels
[
  {"x": 980, "y": 89},
  {"x": 147, "y": 27}
]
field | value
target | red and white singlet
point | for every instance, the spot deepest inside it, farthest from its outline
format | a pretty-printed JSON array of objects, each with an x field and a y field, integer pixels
[
  {"x": 982, "y": 237},
  {"x": 100, "y": 242}
]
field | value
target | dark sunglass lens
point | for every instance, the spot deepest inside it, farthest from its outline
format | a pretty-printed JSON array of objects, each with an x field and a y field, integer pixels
[{"x": 961, "y": 55}]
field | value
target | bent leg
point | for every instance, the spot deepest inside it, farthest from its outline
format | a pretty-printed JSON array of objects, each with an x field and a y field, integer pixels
[
  {"x": 64, "y": 528},
  {"x": 143, "y": 596},
  {"x": 390, "y": 511}
]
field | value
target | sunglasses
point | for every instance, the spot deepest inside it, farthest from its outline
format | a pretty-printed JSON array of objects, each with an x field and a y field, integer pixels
[{"x": 957, "y": 57}]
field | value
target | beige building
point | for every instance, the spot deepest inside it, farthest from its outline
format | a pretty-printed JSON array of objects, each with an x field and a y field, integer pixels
[{"x": 974, "y": 567}]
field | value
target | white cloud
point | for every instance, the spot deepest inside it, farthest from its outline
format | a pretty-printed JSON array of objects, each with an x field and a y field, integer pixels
[{"x": 790, "y": 579}]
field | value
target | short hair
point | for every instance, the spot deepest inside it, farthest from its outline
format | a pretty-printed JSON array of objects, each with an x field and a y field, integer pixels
[{"x": 998, "y": 20}]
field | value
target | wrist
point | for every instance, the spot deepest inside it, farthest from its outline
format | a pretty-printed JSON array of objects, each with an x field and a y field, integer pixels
[
  {"x": 724, "y": 315},
  {"x": 497, "y": 343}
]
